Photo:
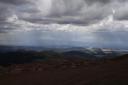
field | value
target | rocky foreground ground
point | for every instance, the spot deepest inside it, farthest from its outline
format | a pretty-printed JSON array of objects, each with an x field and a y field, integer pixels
[{"x": 67, "y": 72}]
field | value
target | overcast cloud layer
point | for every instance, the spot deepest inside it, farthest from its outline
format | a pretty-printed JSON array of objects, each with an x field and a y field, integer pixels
[{"x": 89, "y": 23}]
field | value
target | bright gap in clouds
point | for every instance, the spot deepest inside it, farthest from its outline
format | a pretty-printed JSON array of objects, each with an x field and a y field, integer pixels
[{"x": 75, "y": 23}]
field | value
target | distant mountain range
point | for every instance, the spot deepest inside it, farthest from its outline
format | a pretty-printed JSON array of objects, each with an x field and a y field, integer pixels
[
  {"x": 21, "y": 54},
  {"x": 98, "y": 52}
]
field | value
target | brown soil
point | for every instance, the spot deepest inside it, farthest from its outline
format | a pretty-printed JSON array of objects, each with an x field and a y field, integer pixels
[{"x": 68, "y": 72}]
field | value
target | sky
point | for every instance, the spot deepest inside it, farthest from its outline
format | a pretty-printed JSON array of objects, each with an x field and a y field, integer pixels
[{"x": 78, "y": 23}]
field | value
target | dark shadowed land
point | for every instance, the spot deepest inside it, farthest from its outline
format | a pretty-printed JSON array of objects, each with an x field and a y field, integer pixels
[{"x": 63, "y": 68}]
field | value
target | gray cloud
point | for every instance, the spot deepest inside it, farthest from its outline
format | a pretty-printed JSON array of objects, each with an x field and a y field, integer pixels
[
  {"x": 15, "y": 2},
  {"x": 90, "y": 2},
  {"x": 63, "y": 11}
]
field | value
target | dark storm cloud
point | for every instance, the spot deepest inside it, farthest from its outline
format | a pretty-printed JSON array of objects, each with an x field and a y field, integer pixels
[
  {"x": 4, "y": 12},
  {"x": 97, "y": 1},
  {"x": 84, "y": 12},
  {"x": 15, "y": 2}
]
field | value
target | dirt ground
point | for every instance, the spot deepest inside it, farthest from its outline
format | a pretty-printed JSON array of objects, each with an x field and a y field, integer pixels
[{"x": 113, "y": 72}]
